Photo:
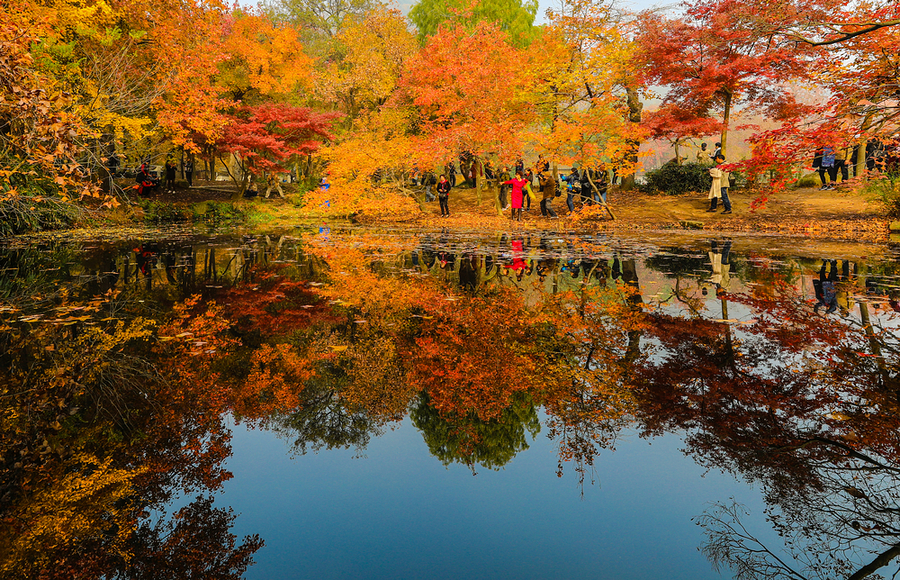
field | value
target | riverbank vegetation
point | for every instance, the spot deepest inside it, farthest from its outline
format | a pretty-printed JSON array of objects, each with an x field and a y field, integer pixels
[{"x": 378, "y": 104}]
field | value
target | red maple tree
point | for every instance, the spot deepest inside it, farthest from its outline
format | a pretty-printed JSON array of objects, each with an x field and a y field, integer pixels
[{"x": 268, "y": 136}]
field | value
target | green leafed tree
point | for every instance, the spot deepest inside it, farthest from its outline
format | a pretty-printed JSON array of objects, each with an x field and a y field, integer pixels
[{"x": 515, "y": 17}]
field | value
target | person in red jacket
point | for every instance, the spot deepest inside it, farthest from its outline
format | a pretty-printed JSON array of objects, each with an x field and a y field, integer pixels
[
  {"x": 517, "y": 196},
  {"x": 145, "y": 181}
]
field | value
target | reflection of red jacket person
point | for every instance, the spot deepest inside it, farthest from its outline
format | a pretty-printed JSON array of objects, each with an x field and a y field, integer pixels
[
  {"x": 517, "y": 196},
  {"x": 518, "y": 251}
]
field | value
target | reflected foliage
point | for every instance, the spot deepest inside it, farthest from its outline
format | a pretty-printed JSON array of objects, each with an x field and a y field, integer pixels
[
  {"x": 120, "y": 366},
  {"x": 471, "y": 440}
]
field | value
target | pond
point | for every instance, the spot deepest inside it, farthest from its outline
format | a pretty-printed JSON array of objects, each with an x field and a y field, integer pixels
[{"x": 347, "y": 402}]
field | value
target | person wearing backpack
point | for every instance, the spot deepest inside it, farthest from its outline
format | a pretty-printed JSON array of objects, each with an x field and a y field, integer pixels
[{"x": 548, "y": 192}]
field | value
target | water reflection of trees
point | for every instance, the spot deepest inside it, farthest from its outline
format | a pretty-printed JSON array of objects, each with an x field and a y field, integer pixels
[
  {"x": 472, "y": 441},
  {"x": 330, "y": 340},
  {"x": 94, "y": 432},
  {"x": 800, "y": 404}
]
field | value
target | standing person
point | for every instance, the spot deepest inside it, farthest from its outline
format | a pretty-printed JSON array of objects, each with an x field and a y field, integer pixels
[
  {"x": 529, "y": 177},
  {"x": 451, "y": 170},
  {"x": 429, "y": 181},
  {"x": 542, "y": 165},
  {"x": 548, "y": 192},
  {"x": 702, "y": 155},
  {"x": 518, "y": 183},
  {"x": 189, "y": 172},
  {"x": 272, "y": 182},
  {"x": 828, "y": 159},
  {"x": 502, "y": 178},
  {"x": 717, "y": 153},
  {"x": 488, "y": 170},
  {"x": 443, "y": 190},
  {"x": 817, "y": 165},
  {"x": 464, "y": 168},
  {"x": 601, "y": 182},
  {"x": 171, "y": 170},
  {"x": 520, "y": 166},
  {"x": 573, "y": 188},
  {"x": 587, "y": 192},
  {"x": 840, "y": 162},
  {"x": 719, "y": 188}
]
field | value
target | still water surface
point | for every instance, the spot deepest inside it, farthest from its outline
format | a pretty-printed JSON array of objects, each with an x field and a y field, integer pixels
[{"x": 395, "y": 404}]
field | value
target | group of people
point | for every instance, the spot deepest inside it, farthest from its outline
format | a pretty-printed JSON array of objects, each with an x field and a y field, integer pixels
[
  {"x": 148, "y": 182},
  {"x": 828, "y": 160},
  {"x": 517, "y": 189},
  {"x": 588, "y": 185}
]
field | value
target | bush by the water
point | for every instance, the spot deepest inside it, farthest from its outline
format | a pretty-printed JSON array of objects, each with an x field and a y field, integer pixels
[
  {"x": 210, "y": 212},
  {"x": 675, "y": 179},
  {"x": 30, "y": 202}
]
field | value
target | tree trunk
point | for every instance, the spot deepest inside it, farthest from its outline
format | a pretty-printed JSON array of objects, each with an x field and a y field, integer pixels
[
  {"x": 880, "y": 561},
  {"x": 861, "y": 169},
  {"x": 725, "y": 118},
  {"x": 597, "y": 191},
  {"x": 107, "y": 150},
  {"x": 635, "y": 107},
  {"x": 479, "y": 179}
]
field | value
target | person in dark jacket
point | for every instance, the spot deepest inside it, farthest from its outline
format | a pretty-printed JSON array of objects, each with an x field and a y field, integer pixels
[
  {"x": 171, "y": 170},
  {"x": 587, "y": 192},
  {"x": 189, "y": 172},
  {"x": 573, "y": 189},
  {"x": 443, "y": 191},
  {"x": 817, "y": 165}
]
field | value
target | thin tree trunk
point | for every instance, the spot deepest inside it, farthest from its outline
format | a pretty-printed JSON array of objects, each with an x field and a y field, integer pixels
[
  {"x": 597, "y": 191},
  {"x": 861, "y": 169},
  {"x": 725, "y": 117},
  {"x": 635, "y": 108}
]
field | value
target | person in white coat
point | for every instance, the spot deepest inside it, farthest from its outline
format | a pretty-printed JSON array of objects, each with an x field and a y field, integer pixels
[{"x": 719, "y": 188}]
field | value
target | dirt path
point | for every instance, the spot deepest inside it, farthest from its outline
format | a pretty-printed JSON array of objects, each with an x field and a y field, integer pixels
[{"x": 808, "y": 212}]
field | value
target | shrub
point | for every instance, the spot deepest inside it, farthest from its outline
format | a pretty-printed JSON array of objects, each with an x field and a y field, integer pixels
[
  {"x": 30, "y": 202},
  {"x": 674, "y": 179},
  {"x": 808, "y": 180},
  {"x": 886, "y": 190}
]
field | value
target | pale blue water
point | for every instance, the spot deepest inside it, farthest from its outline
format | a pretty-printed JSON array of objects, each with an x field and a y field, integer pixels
[{"x": 397, "y": 512}]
